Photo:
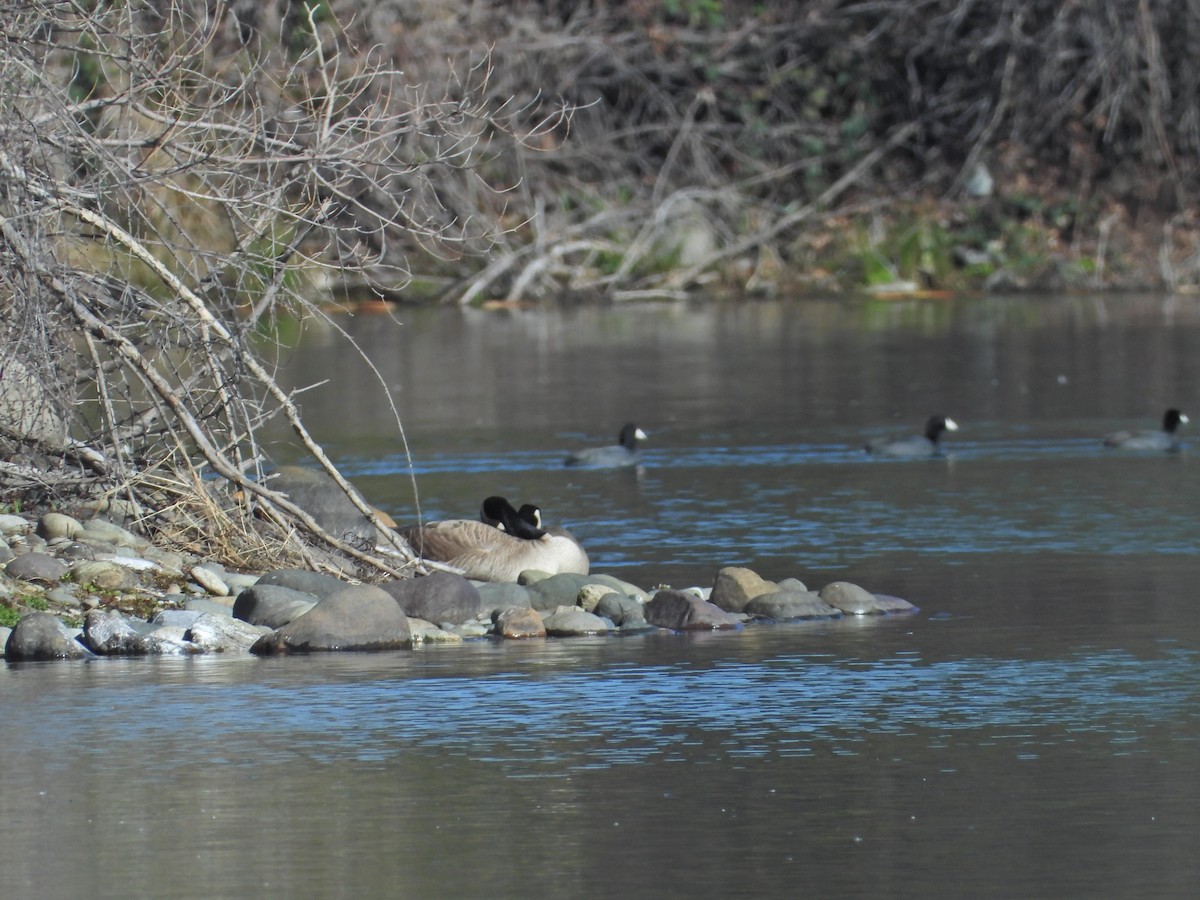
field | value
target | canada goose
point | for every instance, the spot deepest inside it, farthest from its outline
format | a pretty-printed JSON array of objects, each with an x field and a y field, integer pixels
[
  {"x": 498, "y": 512},
  {"x": 499, "y": 548},
  {"x": 916, "y": 445},
  {"x": 1165, "y": 439},
  {"x": 623, "y": 453}
]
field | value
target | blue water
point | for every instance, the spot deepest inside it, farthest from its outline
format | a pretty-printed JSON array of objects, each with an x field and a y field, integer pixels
[{"x": 1033, "y": 731}]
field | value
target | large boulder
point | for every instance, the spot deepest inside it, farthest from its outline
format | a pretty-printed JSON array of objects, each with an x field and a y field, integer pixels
[
  {"x": 358, "y": 617},
  {"x": 272, "y": 605},
  {"x": 442, "y": 597},
  {"x": 680, "y": 611},
  {"x": 41, "y": 635}
]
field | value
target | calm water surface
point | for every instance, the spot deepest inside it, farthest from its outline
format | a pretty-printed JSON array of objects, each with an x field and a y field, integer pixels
[{"x": 1033, "y": 732}]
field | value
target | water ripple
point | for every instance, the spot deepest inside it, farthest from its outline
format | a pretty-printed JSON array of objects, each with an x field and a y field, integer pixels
[{"x": 537, "y": 723}]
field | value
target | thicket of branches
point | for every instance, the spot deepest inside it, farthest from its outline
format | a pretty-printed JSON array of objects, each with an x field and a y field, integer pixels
[
  {"x": 751, "y": 126},
  {"x": 173, "y": 174}
]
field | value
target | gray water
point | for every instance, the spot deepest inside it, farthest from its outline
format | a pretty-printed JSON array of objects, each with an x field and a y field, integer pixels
[{"x": 1032, "y": 732}]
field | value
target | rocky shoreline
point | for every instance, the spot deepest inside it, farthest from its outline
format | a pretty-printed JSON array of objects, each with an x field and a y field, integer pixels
[{"x": 76, "y": 589}]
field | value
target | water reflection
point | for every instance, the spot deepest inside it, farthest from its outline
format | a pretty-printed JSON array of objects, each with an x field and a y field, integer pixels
[
  {"x": 556, "y": 711},
  {"x": 1032, "y": 732}
]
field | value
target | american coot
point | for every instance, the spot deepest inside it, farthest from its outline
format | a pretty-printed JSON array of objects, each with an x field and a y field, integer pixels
[
  {"x": 918, "y": 444},
  {"x": 500, "y": 551},
  {"x": 623, "y": 453},
  {"x": 1166, "y": 439}
]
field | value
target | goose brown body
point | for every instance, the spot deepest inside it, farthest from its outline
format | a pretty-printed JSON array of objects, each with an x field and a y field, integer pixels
[{"x": 487, "y": 552}]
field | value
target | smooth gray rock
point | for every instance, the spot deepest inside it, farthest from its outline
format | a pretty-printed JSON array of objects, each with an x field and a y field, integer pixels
[
  {"x": 222, "y": 634},
  {"x": 680, "y": 611},
  {"x": 735, "y": 586},
  {"x": 441, "y": 597},
  {"x": 41, "y": 635},
  {"x": 6, "y": 553},
  {"x": 10, "y": 524},
  {"x": 318, "y": 584},
  {"x": 106, "y": 531},
  {"x": 55, "y": 525},
  {"x": 176, "y": 618},
  {"x": 104, "y": 576},
  {"x": 64, "y": 595},
  {"x": 590, "y": 594},
  {"x": 205, "y": 605},
  {"x": 791, "y": 584},
  {"x": 167, "y": 560},
  {"x": 171, "y": 640},
  {"x": 41, "y": 568},
  {"x": 272, "y": 605},
  {"x": 852, "y": 599},
  {"x": 359, "y": 617},
  {"x": 79, "y": 551},
  {"x": 239, "y": 581},
  {"x": 518, "y": 622},
  {"x": 574, "y": 622},
  {"x": 557, "y": 590},
  {"x": 621, "y": 610},
  {"x": 895, "y": 605},
  {"x": 209, "y": 579},
  {"x": 109, "y": 633},
  {"x": 790, "y": 605},
  {"x": 624, "y": 587},
  {"x": 496, "y": 596}
]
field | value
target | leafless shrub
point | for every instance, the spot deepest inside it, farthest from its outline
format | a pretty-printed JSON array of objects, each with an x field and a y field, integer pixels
[{"x": 172, "y": 176}]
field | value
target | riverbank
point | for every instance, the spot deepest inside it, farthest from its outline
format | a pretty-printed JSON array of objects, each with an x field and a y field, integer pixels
[{"x": 73, "y": 589}]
